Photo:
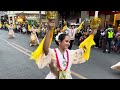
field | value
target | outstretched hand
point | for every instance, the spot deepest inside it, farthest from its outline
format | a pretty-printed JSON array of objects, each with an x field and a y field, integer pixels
[{"x": 51, "y": 23}]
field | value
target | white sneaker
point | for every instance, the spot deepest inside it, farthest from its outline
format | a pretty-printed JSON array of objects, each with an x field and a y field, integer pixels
[
  {"x": 96, "y": 47},
  {"x": 107, "y": 50}
]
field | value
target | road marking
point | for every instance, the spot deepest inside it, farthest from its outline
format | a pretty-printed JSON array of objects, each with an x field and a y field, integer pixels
[
  {"x": 20, "y": 47},
  {"x": 4, "y": 40},
  {"x": 15, "y": 47},
  {"x": 78, "y": 75}
]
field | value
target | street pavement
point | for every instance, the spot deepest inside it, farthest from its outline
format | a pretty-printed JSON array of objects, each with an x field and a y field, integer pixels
[{"x": 15, "y": 62}]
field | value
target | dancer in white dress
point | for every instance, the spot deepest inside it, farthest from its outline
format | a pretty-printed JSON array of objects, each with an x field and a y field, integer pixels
[
  {"x": 61, "y": 59},
  {"x": 11, "y": 32},
  {"x": 33, "y": 37}
]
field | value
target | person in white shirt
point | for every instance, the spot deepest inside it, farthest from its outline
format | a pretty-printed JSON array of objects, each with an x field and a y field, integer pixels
[{"x": 71, "y": 32}]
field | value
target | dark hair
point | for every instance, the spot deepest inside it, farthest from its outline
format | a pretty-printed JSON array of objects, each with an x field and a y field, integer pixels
[{"x": 61, "y": 38}]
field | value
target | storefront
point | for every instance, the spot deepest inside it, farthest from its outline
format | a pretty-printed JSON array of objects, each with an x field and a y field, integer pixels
[
  {"x": 111, "y": 17},
  {"x": 116, "y": 20}
]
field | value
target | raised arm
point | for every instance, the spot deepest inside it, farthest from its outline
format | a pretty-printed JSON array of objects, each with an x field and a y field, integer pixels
[
  {"x": 80, "y": 26},
  {"x": 49, "y": 34},
  {"x": 82, "y": 54},
  {"x": 65, "y": 26},
  {"x": 89, "y": 41}
]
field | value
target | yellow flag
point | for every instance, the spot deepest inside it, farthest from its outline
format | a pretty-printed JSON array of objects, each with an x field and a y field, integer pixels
[
  {"x": 88, "y": 42},
  {"x": 6, "y": 25},
  {"x": 64, "y": 28},
  {"x": 80, "y": 26},
  {"x": 39, "y": 51},
  {"x": 29, "y": 27}
]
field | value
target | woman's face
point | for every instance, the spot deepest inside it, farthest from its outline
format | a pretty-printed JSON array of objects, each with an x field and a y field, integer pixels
[{"x": 65, "y": 43}]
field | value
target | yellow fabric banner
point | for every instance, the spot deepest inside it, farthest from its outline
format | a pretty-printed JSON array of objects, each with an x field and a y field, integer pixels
[
  {"x": 87, "y": 43},
  {"x": 39, "y": 51}
]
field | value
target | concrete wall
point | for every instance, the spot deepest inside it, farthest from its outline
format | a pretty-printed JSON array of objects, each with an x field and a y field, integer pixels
[
  {"x": 84, "y": 16},
  {"x": 108, "y": 18},
  {"x": 57, "y": 20},
  {"x": 102, "y": 17}
]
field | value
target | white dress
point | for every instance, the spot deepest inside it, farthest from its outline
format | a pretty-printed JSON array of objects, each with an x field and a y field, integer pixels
[
  {"x": 11, "y": 32},
  {"x": 75, "y": 57},
  {"x": 33, "y": 37}
]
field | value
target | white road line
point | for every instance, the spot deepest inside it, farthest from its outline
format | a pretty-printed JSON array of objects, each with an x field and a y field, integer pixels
[
  {"x": 78, "y": 75},
  {"x": 4, "y": 40},
  {"x": 19, "y": 49},
  {"x": 22, "y": 47},
  {"x": 14, "y": 46}
]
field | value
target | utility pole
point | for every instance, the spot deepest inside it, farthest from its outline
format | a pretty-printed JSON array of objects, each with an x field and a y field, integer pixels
[
  {"x": 96, "y": 14},
  {"x": 40, "y": 17}
]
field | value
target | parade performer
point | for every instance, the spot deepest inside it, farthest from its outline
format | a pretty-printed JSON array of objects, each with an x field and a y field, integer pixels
[
  {"x": 11, "y": 32},
  {"x": 61, "y": 59},
  {"x": 33, "y": 37}
]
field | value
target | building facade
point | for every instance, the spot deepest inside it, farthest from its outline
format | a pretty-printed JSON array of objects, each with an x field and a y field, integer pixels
[{"x": 29, "y": 15}]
